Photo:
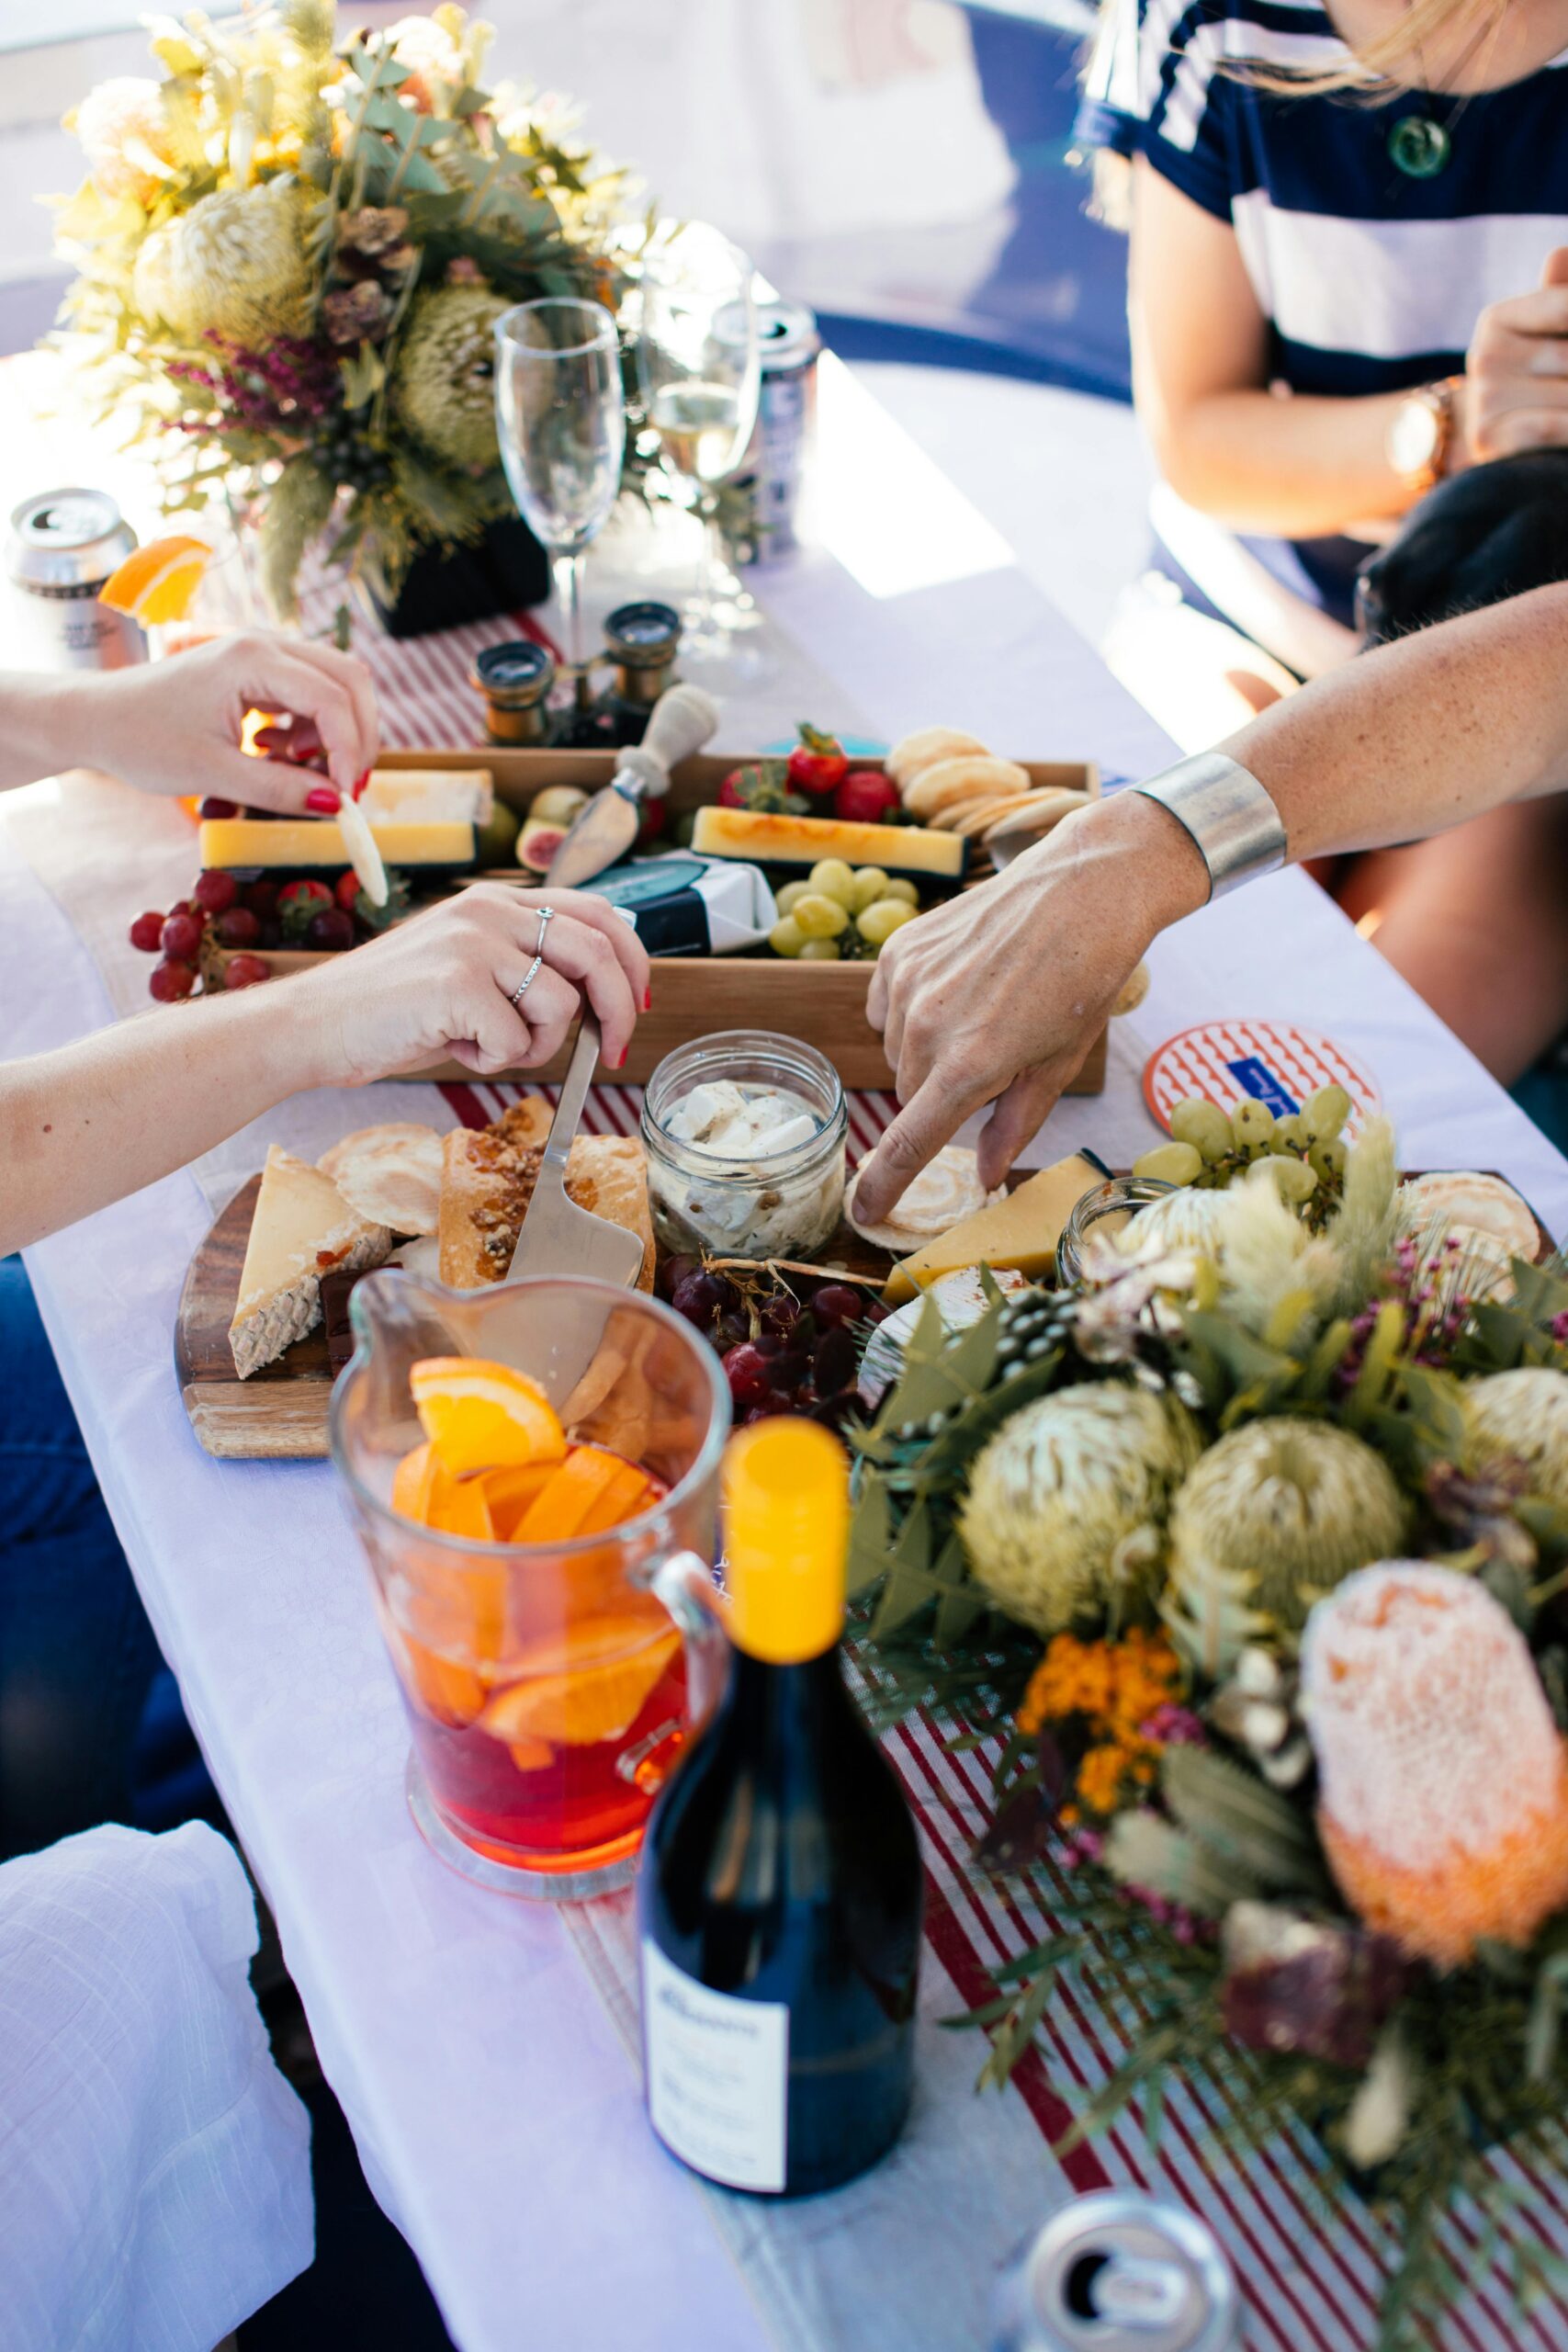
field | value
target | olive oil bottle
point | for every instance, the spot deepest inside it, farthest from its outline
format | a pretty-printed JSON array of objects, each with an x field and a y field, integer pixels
[{"x": 781, "y": 1887}]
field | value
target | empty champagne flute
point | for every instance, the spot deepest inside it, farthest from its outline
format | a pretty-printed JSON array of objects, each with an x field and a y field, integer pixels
[
  {"x": 561, "y": 420},
  {"x": 697, "y": 361}
]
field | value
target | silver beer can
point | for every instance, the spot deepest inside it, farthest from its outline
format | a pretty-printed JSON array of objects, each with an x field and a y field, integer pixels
[
  {"x": 761, "y": 506},
  {"x": 1118, "y": 2271},
  {"x": 62, "y": 546}
]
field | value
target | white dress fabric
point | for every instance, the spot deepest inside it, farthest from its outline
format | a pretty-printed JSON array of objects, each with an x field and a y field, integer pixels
[{"x": 154, "y": 2165}]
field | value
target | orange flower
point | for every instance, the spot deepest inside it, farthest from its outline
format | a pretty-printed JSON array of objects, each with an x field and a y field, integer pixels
[{"x": 1114, "y": 1687}]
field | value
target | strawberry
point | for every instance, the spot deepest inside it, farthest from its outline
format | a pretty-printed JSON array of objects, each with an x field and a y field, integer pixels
[
  {"x": 865, "y": 797},
  {"x": 297, "y": 905},
  {"x": 818, "y": 764}
]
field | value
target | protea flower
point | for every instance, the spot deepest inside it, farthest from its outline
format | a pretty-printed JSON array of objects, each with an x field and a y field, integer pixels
[
  {"x": 444, "y": 378},
  {"x": 233, "y": 265},
  {"x": 114, "y": 122},
  {"x": 1292, "y": 1505},
  {"x": 1523, "y": 1416},
  {"x": 1443, "y": 1781},
  {"x": 1066, "y": 1502}
]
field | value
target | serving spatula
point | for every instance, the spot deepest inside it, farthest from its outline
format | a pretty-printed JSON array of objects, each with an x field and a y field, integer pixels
[
  {"x": 556, "y": 1237},
  {"x": 682, "y": 720}
]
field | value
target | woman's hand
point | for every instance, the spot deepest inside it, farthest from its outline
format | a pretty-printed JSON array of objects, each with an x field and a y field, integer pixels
[
  {"x": 997, "y": 996},
  {"x": 1514, "y": 394},
  {"x": 439, "y": 987},
  {"x": 174, "y": 726}
]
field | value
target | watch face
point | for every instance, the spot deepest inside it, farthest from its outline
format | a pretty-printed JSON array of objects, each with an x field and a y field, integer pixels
[{"x": 1412, "y": 436}]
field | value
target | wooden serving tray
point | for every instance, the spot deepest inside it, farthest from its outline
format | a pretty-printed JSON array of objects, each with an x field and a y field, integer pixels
[
  {"x": 281, "y": 1412},
  {"x": 820, "y": 1004}
]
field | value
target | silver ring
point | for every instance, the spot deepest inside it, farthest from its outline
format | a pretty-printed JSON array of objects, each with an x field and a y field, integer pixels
[{"x": 546, "y": 915}]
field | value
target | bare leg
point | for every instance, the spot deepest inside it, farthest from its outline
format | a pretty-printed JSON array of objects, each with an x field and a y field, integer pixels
[{"x": 1477, "y": 922}]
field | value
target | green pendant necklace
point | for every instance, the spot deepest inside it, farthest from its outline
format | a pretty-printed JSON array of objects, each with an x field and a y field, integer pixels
[{"x": 1419, "y": 145}]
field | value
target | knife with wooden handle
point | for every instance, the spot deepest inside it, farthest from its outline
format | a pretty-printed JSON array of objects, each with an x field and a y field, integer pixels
[{"x": 683, "y": 720}]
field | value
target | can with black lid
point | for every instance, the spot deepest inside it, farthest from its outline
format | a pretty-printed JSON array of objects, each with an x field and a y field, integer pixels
[
  {"x": 1118, "y": 2271},
  {"x": 63, "y": 545},
  {"x": 760, "y": 507}
]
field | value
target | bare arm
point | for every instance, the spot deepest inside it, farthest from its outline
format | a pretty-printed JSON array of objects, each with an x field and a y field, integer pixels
[
  {"x": 1301, "y": 465},
  {"x": 101, "y": 1118},
  {"x": 997, "y": 996}
]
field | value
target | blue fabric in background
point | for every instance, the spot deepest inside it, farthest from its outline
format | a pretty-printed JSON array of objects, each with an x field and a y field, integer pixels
[
  {"x": 90, "y": 1723},
  {"x": 1053, "y": 307}
]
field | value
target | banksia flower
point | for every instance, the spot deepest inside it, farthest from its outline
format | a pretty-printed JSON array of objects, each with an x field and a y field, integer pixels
[
  {"x": 1066, "y": 1502},
  {"x": 233, "y": 266},
  {"x": 1523, "y": 1415},
  {"x": 1292, "y": 1505},
  {"x": 444, "y": 379},
  {"x": 1443, "y": 1781}
]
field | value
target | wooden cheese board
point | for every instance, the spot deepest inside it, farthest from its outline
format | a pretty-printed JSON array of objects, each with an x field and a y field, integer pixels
[
  {"x": 820, "y": 1004},
  {"x": 281, "y": 1412}
]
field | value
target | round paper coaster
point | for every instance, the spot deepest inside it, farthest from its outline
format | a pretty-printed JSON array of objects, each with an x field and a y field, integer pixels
[{"x": 1271, "y": 1062}]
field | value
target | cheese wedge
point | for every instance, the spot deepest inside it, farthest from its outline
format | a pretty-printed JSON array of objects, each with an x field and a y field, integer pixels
[
  {"x": 429, "y": 796},
  {"x": 316, "y": 844},
  {"x": 769, "y": 840},
  {"x": 301, "y": 1227},
  {"x": 1019, "y": 1232}
]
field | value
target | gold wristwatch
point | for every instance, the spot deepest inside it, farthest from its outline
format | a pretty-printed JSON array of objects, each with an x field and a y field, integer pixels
[{"x": 1421, "y": 435}]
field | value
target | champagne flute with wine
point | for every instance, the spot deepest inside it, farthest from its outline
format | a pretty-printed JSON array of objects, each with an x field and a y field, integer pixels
[
  {"x": 698, "y": 364},
  {"x": 561, "y": 421}
]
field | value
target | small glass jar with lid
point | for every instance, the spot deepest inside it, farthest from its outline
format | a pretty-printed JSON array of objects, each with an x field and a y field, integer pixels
[
  {"x": 1107, "y": 1210},
  {"x": 744, "y": 1132}
]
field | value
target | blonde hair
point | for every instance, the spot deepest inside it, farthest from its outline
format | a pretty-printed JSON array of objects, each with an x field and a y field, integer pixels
[{"x": 1371, "y": 72}]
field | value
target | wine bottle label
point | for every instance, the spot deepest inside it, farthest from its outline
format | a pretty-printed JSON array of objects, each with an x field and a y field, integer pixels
[{"x": 717, "y": 2075}]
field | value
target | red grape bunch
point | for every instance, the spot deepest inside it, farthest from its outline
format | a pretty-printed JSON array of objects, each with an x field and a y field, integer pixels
[{"x": 780, "y": 1353}]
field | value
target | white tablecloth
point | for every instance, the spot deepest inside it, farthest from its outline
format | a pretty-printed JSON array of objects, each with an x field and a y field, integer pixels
[{"x": 489, "y": 2094}]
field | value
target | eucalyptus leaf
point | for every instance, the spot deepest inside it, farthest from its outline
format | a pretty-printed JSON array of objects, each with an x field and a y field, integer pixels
[
  {"x": 1144, "y": 1849},
  {"x": 1241, "y": 1822}
]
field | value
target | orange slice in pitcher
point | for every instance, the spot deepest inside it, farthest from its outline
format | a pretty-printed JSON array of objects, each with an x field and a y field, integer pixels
[
  {"x": 452, "y": 1693},
  {"x": 158, "y": 581},
  {"x": 510, "y": 1492},
  {"x": 591, "y": 1491},
  {"x": 483, "y": 1416},
  {"x": 591, "y": 1682}
]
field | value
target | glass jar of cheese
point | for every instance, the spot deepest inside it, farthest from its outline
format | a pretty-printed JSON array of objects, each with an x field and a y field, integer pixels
[{"x": 744, "y": 1133}]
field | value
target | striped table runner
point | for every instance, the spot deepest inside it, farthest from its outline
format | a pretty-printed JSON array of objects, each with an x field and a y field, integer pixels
[{"x": 906, "y": 2263}]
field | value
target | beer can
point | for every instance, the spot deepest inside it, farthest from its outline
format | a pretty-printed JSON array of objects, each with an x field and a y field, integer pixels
[
  {"x": 760, "y": 507},
  {"x": 1118, "y": 2271},
  {"x": 62, "y": 546}
]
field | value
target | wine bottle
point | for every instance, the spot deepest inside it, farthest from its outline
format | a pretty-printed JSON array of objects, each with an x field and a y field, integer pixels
[{"x": 780, "y": 1893}]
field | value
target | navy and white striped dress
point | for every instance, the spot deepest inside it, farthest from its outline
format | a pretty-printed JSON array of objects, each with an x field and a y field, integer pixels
[{"x": 1371, "y": 281}]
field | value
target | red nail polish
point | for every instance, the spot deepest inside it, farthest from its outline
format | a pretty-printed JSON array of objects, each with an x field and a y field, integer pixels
[
  {"x": 323, "y": 799},
  {"x": 648, "y": 999},
  {"x": 620, "y": 1060},
  {"x": 360, "y": 783}
]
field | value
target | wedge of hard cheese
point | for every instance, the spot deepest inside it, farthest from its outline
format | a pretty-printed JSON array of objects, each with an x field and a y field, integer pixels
[
  {"x": 769, "y": 840},
  {"x": 429, "y": 796},
  {"x": 315, "y": 844},
  {"x": 300, "y": 1229},
  {"x": 1021, "y": 1232}
]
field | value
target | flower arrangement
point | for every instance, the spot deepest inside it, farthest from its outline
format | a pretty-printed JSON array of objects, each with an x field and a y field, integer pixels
[
  {"x": 1250, "y": 1555},
  {"x": 291, "y": 255}
]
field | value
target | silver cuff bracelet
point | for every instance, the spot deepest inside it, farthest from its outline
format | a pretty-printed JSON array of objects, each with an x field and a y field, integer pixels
[{"x": 1230, "y": 816}]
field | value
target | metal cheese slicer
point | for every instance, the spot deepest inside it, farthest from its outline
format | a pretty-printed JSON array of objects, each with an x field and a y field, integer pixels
[{"x": 556, "y": 1237}]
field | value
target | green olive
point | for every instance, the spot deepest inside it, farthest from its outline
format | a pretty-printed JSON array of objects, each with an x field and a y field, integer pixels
[{"x": 833, "y": 879}]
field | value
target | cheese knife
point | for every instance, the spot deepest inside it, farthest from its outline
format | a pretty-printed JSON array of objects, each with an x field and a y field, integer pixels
[
  {"x": 683, "y": 720},
  {"x": 556, "y": 1237}
]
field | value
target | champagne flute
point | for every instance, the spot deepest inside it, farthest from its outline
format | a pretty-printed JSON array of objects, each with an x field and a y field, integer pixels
[
  {"x": 561, "y": 421},
  {"x": 697, "y": 360}
]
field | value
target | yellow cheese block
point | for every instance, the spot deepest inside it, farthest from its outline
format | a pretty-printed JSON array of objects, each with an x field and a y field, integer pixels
[
  {"x": 775, "y": 840},
  {"x": 1021, "y": 1232},
  {"x": 315, "y": 844}
]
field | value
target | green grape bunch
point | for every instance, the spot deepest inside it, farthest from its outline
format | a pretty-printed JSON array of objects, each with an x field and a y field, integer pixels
[{"x": 1305, "y": 1150}]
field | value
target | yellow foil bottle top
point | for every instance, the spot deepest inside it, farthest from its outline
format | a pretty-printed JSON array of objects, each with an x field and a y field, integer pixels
[{"x": 786, "y": 1518}]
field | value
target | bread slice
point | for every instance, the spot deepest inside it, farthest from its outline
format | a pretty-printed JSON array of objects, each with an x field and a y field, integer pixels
[
  {"x": 301, "y": 1227},
  {"x": 487, "y": 1182}
]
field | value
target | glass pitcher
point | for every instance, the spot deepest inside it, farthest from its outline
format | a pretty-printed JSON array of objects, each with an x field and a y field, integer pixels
[{"x": 549, "y": 1686}]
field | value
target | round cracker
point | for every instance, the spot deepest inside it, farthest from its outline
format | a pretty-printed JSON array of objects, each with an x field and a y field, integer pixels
[
  {"x": 1035, "y": 814},
  {"x": 391, "y": 1174},
  {"x": 913, "y": 753},
  {"x": 970, "y": 777},
  {"x": 946, "y": 1190},
  {"x": 986, "y": 814}
]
